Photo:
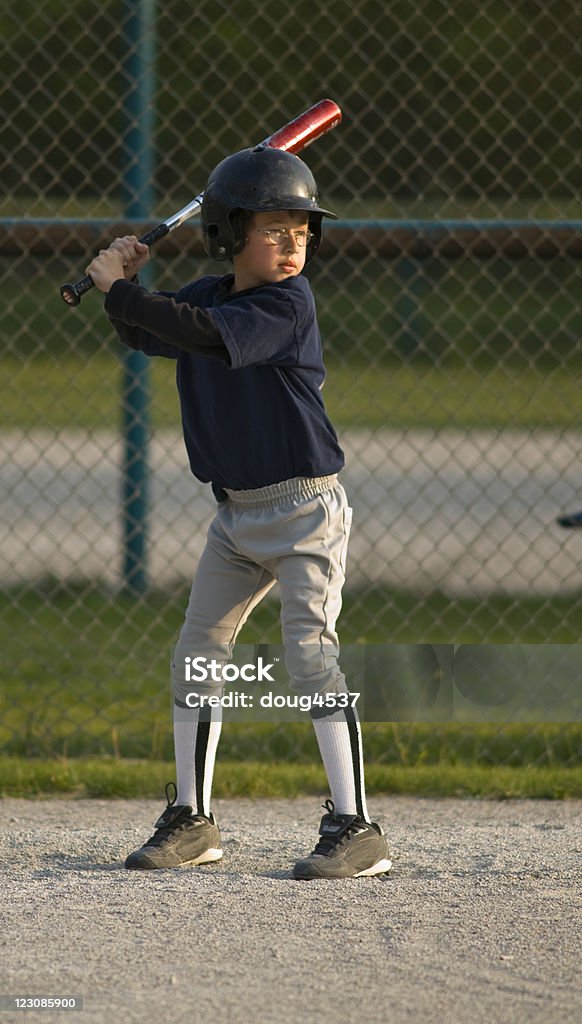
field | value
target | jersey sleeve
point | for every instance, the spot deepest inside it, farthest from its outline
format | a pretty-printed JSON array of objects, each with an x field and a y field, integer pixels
[
  {"x": 266, "y": 326},
  {"x": 159, "y": 325}
]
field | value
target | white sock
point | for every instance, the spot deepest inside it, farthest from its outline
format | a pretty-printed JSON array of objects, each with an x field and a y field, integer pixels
[
  {"x": 339, "y": 737},
  {"x": 196, "y": 735}
]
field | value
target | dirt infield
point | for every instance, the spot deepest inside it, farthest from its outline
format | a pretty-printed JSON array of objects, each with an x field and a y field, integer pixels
[{"x": 480, "y": 921}]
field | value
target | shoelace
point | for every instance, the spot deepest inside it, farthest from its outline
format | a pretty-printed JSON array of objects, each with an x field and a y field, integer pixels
[
  {"x": 327, "y": 844},
  {"x": 165, "y": 832}
]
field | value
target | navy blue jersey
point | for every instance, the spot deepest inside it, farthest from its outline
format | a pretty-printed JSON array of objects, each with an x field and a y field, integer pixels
[{"x": 249, "y": 374}]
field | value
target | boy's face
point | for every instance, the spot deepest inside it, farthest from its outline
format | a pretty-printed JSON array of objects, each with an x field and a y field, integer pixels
[{"x": 261, "y": 262}]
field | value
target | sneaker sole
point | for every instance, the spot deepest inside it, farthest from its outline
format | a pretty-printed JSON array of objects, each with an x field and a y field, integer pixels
[
  {"x": 208, "y": 857},
  {"x": 381, "y": 867},
  {"x": 205, "y": 858}
]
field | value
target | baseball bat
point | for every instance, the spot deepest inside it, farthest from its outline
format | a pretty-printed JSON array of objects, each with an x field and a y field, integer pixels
[{"x": 292, "y": 138}]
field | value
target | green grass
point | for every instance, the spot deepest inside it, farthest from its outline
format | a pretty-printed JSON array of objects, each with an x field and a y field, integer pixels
[
  {"x": 85, "y": 704},
  {"x": 85, "y": 672},
  {"x": 118, "y": 778},
  {"x": 75, "y": 392}
]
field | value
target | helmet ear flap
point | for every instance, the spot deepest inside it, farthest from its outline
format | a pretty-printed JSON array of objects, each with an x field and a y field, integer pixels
[
  {"x": 224, "y": 232},
  {"x": 315, "y": 228},
  {"x": 216, "y": 243},
  {"x": 240, "y": 221}
]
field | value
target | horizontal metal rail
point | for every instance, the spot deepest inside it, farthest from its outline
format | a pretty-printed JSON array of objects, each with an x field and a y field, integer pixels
[{"x": 391, "y": 238}]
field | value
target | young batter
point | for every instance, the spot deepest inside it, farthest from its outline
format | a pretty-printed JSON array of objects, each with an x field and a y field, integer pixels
[{"x": 249, "y": 375}]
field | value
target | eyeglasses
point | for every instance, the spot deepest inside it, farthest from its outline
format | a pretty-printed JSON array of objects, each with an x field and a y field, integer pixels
[{"x": 277, "y": 236}]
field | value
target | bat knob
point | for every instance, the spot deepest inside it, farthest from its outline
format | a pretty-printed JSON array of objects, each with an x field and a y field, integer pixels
[{"x": 69, "y": 294}]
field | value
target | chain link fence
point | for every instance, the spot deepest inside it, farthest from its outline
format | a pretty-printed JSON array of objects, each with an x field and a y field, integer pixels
[{"x": 448, "y": 297}]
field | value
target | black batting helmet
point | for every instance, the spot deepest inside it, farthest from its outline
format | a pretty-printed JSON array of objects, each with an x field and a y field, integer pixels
[{"x": 258, "y": 180}]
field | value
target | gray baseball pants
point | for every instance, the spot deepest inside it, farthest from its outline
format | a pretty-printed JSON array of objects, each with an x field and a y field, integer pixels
[{"x": 294, "y": 533}]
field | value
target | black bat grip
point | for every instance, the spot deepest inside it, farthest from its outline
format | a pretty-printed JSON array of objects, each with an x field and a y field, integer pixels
[
  {"x": 154, "y": 235},
  {"x": 73, "y": 293}
]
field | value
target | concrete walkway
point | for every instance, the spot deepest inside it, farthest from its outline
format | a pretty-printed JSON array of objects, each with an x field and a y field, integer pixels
[{"x": 467, "y": 512}]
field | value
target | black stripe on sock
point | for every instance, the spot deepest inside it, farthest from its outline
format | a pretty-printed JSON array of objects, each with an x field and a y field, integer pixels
[
  {"x": 356, "y": 758},
  {"x": 202, "y": 737}
]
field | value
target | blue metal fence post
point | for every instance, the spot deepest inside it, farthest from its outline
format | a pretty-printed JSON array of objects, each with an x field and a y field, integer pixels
[
  {"x": 137, "y": 154},
  {"x": 408, "y": 308}
]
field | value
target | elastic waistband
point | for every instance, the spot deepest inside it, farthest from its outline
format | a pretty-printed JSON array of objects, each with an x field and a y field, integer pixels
[{"x": 296, "y": 489}]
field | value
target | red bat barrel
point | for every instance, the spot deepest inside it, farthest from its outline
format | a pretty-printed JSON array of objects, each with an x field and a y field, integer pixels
[{"x": 306, "y": 128}]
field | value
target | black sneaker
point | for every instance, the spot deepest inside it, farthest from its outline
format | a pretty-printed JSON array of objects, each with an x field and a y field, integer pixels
[
  {"x": 350, "y": 847},
  {"x": 181, "y": 838}
]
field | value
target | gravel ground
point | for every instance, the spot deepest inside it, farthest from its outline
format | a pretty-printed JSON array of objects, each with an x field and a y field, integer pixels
[{"x": 479, "y": 921}]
